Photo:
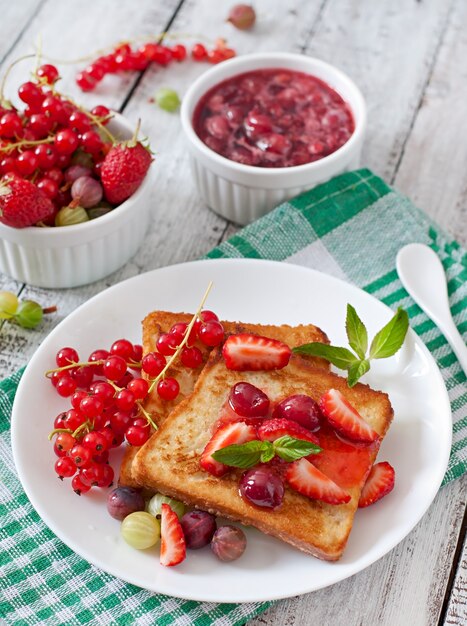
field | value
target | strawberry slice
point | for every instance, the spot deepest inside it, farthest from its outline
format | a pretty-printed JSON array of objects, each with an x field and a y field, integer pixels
[
  {"x": 345, "y": 419},
  {"x": 253, "y": 352},
  {"x": 227, "y": 435},
  {"x": 305, "y": 478},
  {"x": 379, "y": 483},
  {"x": 173, "y": 548},
  {"x": 272, "y": 429}
]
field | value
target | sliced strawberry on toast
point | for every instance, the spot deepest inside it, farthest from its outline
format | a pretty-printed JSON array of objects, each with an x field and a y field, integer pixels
[
  {"x": 173, "y": 547},
  {"x": 305, "y": 478},
  {"x": 272, "y": 429},
  {"x": 252, "y": 352},
  {"x": 379, "y": 483},
  {"x": 345, "y": 419},
  {"x": 227, "y": 435}
]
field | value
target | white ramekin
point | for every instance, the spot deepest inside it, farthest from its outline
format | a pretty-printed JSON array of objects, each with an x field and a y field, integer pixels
[
  {"x": 242, "y": 193},
  {"x": 69, "y": 256}
]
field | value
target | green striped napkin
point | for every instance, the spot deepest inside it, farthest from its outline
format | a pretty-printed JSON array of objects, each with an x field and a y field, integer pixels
[{"x": 352, "y": 228}]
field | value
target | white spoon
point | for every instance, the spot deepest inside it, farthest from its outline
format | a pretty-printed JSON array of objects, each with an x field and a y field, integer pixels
[{"x": 422, "y": 275}]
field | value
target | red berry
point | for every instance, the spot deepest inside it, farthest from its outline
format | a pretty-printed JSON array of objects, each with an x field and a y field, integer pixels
[
  {"x": 98, "y": 355},
  {"x": 191, "y": 357},
  {"x": 63, "y": 160},
  {"x": 95, "y": 441},
  {"x": 59, "y": 421},
  {"x": 96, "y": 71},
  {"x": 54, "y": 174},
  {"x": 104, "y": 391},
  {"x": 120, "y": 421},
  {"x": 125, "y": 379},
  {"x": 114, "y": 367},
  {"x": 123, "y": 348},
  {"x": 153, "y": 364},
  {"x": 91, "y": 142},
  {"x": 46, "y": 155},
  {"x": 81, "y": 455},
  {"x": 74, "y": 419},
  {"x": 107, "y": 477},
  {"x": 53, "y": 107},
  {"x": 65, "y": 386},
  {"x": 125, "y": 400},
  {"x": 179, "y": 52},
  {"x": 65, "y": 468},
  {"x": 10, "y": 125},
  {"x": 8, "y": 166},
  {"x": 78, "y": 486},
  {"x": 93, "y": 474},
  {"x": 26, "y": 163},
  {"x": 40, "y": 125},
  {"x": 76, "y": 399},
  {"x": 49, "y": 72},
  {"x": 31, "y": 94},
  {"x": 66, "y": 356},
  {"x": 168, "y": 388},
  {"x": 85, "y": 81},
  {"x": 137, "y": 353},
  {"x": 199, "y": 52},
  {"x": 139, "y": 387},
  {"x": 83, "y": 376},
  {"x": 101, "y": 111},
  {"x": 65, "y": 441},
  {"x": 79, "y": 122},
  {"x": 137, "y": 435},
  {"x": 66, "y": 141},
  {"x": 211, "y": 333},
  {"x": 49, "y": 187},
  {"x": 208, "y": 316},
  {"x": 91, "y": 407},
  {"x": 167, "y": 343}
]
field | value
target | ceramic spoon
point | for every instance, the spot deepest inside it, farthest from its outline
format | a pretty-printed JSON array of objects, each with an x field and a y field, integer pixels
[{"x": 422, "y": 275}]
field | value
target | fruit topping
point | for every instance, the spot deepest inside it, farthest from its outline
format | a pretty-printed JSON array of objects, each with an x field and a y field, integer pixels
[
  {"x": 141, "y": 530},
  {"x": 273, "y": 429},
  {"x": 253, "y": 352},
  {"x": 198, "y": 528},
  {"x": 263, "y": 487},
  {"x": 301, "y": 409},
  {"x": 124, "y": 500},
  {"x": 228, "y": 543},
  {"x": 234, "y": 433},
  {"x": 154, "y": 505},
  {"x": 305, "y": 478},
  {"x": 379, "y": 483},
  {"x": 173, "y": 547},
  {"x": 242, "y": 16},
  {"x": 22, "y": 204},
  {"x": 248, "y": 401},
  {"x": 123, "y": 170},
  {"x": 345, "y": 419}
]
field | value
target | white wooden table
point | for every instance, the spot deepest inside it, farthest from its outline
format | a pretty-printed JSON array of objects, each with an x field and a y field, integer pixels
[{"x": 409, "y": 59}]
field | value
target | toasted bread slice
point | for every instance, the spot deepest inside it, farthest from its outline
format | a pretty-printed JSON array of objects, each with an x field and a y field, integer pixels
[
  {"x": 169, "y": 461},
  {"x": 161, "y": 321}
]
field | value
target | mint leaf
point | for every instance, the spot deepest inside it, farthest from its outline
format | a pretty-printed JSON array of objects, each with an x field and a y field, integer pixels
[
  {"x": 356, "y": 332},
  {"x": 268, "y": 453},
  {"x": 291, "y": 449},
  {"x": 243, "y": 455},
  {"x": 356, "y": 371},
  {"x": 340, "y": 357},
  {"x": 391, "y": 337}
]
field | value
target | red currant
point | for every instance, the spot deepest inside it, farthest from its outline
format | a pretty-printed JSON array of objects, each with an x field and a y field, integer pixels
[
  {"x": 66, "y": 356},
  {"x": 191, "y": 357},
  {"x": 31, "y": 94},
  {"x": 123, "y": 348},
  {"x": 63, "y": 160},
  {"x": 101, "y": 111},
  {"x": 74, "y": 419},
  {"x": 81, "y": 455},
  {"x": 10, "y": 125},
  {"x": 153, "y": 364},
  {"x": 64, "y": 467},
  {"x": 76, "y": 399},
  {"x": 66, "y": 141},
  {"x": 91, "y": 407},
  {"x": 104, "y": 391},
  {"x": 199, "y": 52},
  {"x": 137, "y": 435},
  {"x": 98, "y": 355},
  {"x": 139, "y": 387},
  {"x": 85, "y": 81},
  {"x": 108, "y": 475},
  {"x": 125, "y": 400},
  {"x": 8, "y": 165},
  {"x": 65, "y": 386},
  {"x": 91, "y": 142},
  {"x": 54, "y": 174},
  {"x": 168, "y": 388},
  {"x": 179, "y": 52},
  {"x": 65, "y": 441},
  {"x": 50, "y": 188},
  {"x": 125, "y": 379},
  {"x": 53, "y": 107},
  {"x": 211, "y": 333},
  {"x": 58, "y": 452},
  {"x": 207, "y": 316},
  {"x": 92, "y": 474},
  {"x": 46, "y": 155},
  {"x": 167, "y": 343},
  {"x": 137, "y": 353},
  {"x": 84, "y": 375},
  {"x": 95, "y": 441},
  {"x": 114, "y": 367},
  {"x": 26, "y": 163},
  {"x": 95, "y": 71},
  {"x": 59, "y": 421},
  {"x": 120, "y": 421},
  {"x": 79, "y": 122},
  {"x": 49, "y": 72},
  {"x": 78, "y": 486}
]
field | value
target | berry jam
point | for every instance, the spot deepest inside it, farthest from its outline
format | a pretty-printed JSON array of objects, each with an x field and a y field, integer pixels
[{"x": 273, "y": 118}]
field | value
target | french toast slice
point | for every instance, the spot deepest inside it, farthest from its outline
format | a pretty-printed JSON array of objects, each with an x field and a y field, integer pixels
[
  {"x": 159, "y": 322},
  {"x": 170, "y": 461}
]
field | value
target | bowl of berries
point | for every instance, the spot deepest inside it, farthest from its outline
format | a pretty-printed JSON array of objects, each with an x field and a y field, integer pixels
[
  {"x": 264, "y": 127},
  {"x": 74, "y": 188}
]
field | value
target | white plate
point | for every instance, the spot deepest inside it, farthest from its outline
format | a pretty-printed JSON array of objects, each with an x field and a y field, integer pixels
[{"x": 417, "y": 445}]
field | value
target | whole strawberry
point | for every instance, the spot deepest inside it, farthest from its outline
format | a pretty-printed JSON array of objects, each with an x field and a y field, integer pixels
[
  {"x": 123, "y": 170},
  {"x": 22, "y": 203}
]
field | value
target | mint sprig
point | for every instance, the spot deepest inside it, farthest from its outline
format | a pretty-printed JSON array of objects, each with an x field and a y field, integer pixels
[
  {"x": 248, "y": 454},
  {"x": 385, "y": 343}
]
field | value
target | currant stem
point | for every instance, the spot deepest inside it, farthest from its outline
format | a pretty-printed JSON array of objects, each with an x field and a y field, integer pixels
[
  {"x": 24, "y": 143},
  {"x": 147, "y": 415},
  {"x": 81, "y": 427},
  {"x": 5, "y": 76},
  {"x": 72, "y": 365},
  {"x": 59, "y": 430},
  {"x": 49, "y": 309},
  {"x": 184, "y": 341}
]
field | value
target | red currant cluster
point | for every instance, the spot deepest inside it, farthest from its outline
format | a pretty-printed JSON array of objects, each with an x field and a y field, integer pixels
[
  {"x": 107, "y": 397},
  {"x": 38, "y": 143},
  {"x": 125, "y": 58}
]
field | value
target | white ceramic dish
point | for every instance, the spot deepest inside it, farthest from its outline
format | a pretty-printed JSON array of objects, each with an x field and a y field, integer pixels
[
  {"x": 417, "y": 445},
  {"x": 242, "y": 193},
  {"x": 69, "y": 256}
]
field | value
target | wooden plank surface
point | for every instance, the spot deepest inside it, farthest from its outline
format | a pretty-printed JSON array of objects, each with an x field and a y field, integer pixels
[{"x": 408, "y": 59}]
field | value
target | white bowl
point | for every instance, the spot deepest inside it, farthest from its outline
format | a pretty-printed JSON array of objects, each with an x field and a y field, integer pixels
[
  {"x": 242, "y": 193},
  {"x": 69, "y": 256}
]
